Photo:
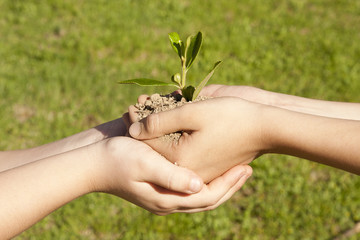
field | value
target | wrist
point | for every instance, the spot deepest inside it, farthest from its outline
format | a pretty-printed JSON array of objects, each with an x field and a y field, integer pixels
[
  {"x": 259, "y": 130},
  {"x": 283, "y": 129},
  {"x": 265, "y": 129},
  {"x": 96, "y": 175},
  {"x": 271, "y": 128},
  {"x": 107, "y": 155}
]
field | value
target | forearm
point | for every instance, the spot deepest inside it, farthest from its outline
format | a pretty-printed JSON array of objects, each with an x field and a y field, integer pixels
[
  {"x": 331, "y": 109},
  {"x": 32, "y": 191},
  {"x": 11, "y": 159},
  {"x": 334, "y": 142},
  {"x": 342, "y": 110}
]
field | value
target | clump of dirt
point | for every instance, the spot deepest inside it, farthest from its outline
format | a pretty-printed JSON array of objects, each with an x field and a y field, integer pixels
[{"x": 160, "y": 103}]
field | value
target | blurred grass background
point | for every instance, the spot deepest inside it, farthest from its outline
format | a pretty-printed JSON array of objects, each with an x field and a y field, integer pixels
[{"x": 60, "y": 60}]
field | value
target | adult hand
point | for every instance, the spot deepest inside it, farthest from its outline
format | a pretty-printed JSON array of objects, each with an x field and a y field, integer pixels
[
  {"x": 218, "y": 134},
  {"x": 132, "y": 170}
]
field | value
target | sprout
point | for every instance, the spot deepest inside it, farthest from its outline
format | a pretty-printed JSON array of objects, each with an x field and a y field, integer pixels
[{"x": 187, "y": 53}]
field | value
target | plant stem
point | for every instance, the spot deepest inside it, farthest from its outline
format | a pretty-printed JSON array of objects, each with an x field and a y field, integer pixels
[{"x": 183, "y": 73}]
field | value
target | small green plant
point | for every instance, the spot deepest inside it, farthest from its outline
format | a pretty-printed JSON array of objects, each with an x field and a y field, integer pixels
[{"x": 187, "y": 53}]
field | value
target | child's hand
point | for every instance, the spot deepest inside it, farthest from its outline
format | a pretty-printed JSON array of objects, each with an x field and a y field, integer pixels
[
  {"x": 132, "y": 170},
  {"x": 248, "y": 93},
  {"x": 218, "y": 134}
]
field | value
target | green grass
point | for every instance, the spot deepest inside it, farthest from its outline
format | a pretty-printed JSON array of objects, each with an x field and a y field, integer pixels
[{"x": 60, "y": 60}]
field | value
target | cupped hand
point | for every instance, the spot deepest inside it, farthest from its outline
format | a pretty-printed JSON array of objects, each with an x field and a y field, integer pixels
[
  {"x": 248, "y": 93},
  {"x": 132, "y": 170},
  {"x": 217, "y": 134}
]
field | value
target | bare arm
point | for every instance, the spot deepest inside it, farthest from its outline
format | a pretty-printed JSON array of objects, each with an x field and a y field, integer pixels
[
  {"x": 120, "y": 166},
  {"x": 331, "y": 109},
  {"x": 238, "y": 131},
  {"x": 330, "y": 141},
  {"x": 11, "y": 159},
  {"x": 32, "y": 191}
]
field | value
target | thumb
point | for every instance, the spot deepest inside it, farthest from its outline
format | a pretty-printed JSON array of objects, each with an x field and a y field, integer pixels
[
  {"x": 159, "y": 124},
  {"x": 172, "y": 177}
]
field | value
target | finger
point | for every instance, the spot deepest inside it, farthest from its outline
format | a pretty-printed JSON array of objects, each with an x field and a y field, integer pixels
[
  {"x": 211, "y": 196},
  {"x": 209, "y": 90},
  {"x": 230, "y": 177},
  {"x": 234, "y": 188},
  {"x": 163, "y": 173},
  {"x": 133, "y": 115},
  {"x": 216, "y": 189},
  {"x": 159, "y": 124},
  {"x": 226, "y": 197},
  {"x": 176, "y": 92},
  {"x": 142, "y": 98}
]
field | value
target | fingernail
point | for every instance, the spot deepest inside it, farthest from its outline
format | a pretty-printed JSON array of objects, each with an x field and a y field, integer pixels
[
  {"x": 195, "y": 185},
  {"x": 135, "y": 129}
]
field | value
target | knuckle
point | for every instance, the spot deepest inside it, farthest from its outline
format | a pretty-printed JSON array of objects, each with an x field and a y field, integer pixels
[
  {"x": 152, "y": 123},
  {"x": 170, "y": 180}
]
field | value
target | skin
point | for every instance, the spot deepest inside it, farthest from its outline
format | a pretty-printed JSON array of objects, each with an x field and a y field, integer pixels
[
  {"x": 14, "y": 158},
  {"x": 209, "y": 148},
  {"x": 204, "y": 141},
  {"x": 37, "y": 181},
  {"x": 343, "y": 110}
]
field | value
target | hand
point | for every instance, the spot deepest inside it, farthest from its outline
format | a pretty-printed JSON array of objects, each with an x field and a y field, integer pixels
[
  {"x": 219, "y": 133},
  {"x": 135, "y": 172},
  {"x": 248, "y": 93},
  {"x": 122, "y": 166},
  {"x": 341, "y": 110}
]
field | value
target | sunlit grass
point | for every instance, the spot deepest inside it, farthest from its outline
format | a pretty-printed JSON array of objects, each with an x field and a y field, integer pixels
[{"x": 60, "y": 60}]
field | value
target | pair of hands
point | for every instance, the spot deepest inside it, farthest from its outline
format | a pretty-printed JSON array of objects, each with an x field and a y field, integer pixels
[
  {"x": 218, "y": 133},
  {"x": 216, "y": 137},
  {"x": 210, "y": 147},
  {"x": 241, "y": 124},
  {"x": 102, "y": 159},
  {"x": 136, "y": 173}
]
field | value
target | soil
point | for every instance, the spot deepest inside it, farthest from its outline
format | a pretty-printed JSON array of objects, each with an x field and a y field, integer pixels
[{"x": 160, "y": 103}]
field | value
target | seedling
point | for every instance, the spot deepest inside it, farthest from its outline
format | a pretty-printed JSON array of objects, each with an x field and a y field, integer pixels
[{"x": 187, "y": 53}]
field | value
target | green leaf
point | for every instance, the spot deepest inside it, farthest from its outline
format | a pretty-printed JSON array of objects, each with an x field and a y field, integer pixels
[
  {"x": 188, "y": 93},
  {"x": 146, "y": 82},
  {"x": 205, "y": 80},
  {"x": 176, "y": 43},
  {"x": 176, "y": 78},
  {"x": 193, "y": 45}
]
